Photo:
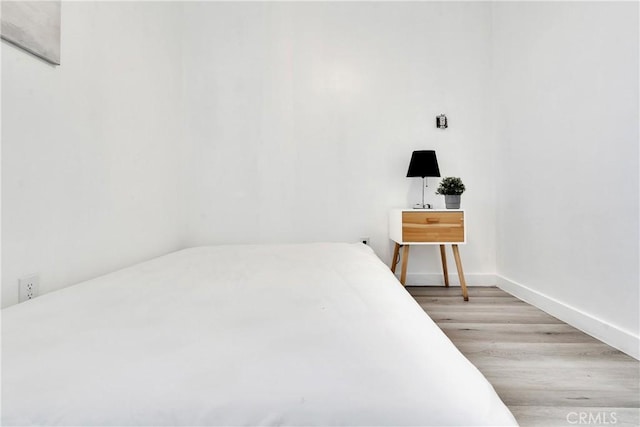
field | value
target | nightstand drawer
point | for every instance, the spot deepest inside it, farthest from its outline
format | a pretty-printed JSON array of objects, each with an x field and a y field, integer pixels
[{"x": 433, "y": 226}]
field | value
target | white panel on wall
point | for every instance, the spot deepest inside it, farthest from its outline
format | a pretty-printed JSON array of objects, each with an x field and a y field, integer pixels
[
  {"x": 303, "y": 116},
  {"x": 90, "y": 177},
  {"x": 261, "y": 122},
  {"x": 566, "y": 79}
]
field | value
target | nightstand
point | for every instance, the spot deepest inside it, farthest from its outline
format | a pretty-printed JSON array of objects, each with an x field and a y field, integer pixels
[{"x": 428, "y": 227}]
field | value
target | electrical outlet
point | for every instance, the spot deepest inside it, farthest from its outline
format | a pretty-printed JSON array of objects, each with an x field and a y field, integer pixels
[
  {"x": 364, "y": 240},
  {"x": 28, "y": 287}
]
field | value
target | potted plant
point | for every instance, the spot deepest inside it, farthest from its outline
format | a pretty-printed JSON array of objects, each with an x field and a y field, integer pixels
[{"x": 451, "y": 187}]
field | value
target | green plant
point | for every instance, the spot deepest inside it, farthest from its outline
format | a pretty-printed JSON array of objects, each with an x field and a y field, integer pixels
[{"x": 451, "y": 185}]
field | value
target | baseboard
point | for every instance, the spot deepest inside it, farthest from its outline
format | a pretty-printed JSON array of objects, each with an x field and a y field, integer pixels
[
  {"x": 436, "y": 279},
  {"x": 610, "y": 334}
]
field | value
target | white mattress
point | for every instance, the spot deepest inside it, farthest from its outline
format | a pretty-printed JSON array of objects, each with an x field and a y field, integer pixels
[{"x": 318, "y": 334}]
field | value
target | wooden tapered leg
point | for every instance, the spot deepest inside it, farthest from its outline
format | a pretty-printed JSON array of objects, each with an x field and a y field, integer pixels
[
  {"x": 405, "y": 261},
  {"x": 463, "y": 283},
  {"x": 396, "y": 252},
  {"x": 443, "y": 255}
]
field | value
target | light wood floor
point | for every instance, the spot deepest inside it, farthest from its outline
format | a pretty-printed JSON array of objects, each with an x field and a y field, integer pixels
[{"x": 547, "y": 372}]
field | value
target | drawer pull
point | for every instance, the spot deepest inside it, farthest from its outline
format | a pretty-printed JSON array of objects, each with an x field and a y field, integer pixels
[{"x": 433, "y": 220}]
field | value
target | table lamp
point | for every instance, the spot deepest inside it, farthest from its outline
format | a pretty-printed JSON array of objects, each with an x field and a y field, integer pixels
[{"x": 423, "y": 164}]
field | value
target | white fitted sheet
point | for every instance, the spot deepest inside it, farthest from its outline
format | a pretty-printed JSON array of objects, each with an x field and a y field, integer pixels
[{"x": 316, "y": 334}]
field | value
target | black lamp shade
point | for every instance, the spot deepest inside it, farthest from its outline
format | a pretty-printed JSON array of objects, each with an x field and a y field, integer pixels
[{"x": 423, "y": 163}]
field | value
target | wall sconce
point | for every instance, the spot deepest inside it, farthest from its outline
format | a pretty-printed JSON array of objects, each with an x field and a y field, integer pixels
[{"x": 441, "y": 122}]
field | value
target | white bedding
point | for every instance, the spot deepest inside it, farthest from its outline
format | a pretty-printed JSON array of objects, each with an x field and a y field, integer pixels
[{"x": 318, "y": 334}]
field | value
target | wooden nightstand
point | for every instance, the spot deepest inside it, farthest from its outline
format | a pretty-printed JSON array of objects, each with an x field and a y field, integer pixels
[{"x": 428, "y": 227}]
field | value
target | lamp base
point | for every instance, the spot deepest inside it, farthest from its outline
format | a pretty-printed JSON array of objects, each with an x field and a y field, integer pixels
[{"x": 422, "y": 206}]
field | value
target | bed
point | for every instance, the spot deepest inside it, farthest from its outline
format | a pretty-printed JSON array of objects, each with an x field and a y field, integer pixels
[{"x": 240, "y": 335}]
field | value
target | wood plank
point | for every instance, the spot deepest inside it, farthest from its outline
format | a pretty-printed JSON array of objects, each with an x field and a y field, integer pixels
[
  {"x": 531, "y": 333},
  {"x": 512, "y": 395},
  {"x": 477, "y": 301},
  {"x": 483, "y": 310},
  {"x": 542, "y": 368},
  {"x": 610, "y": 379},
  {"x": 554, "y": 354},
  {"x": 561, "y": 416},
  {"x": 489, "y": 315},
  {"x": 441, "y": 291}
]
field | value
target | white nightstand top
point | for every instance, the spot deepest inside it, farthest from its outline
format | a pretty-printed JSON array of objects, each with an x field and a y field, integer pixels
[{"x": 426, "y": 210}]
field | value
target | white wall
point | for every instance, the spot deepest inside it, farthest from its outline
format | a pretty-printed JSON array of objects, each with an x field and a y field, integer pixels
[
  {"x": 303, "y": 116},
  {"x": 90, "y": 181},
  {"x": 290, "y": 122},
  {"x": 326, "y": 112},
  {"x": 566, "y": 80}
]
